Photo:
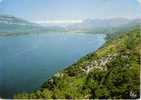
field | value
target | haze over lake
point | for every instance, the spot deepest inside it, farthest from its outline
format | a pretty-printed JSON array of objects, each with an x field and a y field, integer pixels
[{"x": 27, "y": 61}]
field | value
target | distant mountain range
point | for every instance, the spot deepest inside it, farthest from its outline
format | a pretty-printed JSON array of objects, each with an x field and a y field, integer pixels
[
  {"x": 10, "y": 25},
  {"x": 103, "y": 25},
  {"x": 95, "y": 26}
]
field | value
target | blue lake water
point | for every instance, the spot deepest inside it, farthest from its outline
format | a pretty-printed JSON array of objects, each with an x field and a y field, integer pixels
[{"x": 27, "y": 61}]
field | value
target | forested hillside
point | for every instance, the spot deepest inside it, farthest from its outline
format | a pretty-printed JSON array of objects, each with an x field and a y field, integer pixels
[{"x": 113, "y": 71}]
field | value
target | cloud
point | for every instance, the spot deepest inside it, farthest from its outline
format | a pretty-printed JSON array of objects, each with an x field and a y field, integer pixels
[
  {"x": 139, "y": 1},
  {"x": 60, "y": 21}
]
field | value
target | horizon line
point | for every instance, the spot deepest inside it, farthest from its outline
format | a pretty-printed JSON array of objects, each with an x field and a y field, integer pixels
[{"x": 67, "y": 21}]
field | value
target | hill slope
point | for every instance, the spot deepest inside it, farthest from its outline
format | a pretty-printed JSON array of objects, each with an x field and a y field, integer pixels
[{"x": 113, "y": 71}]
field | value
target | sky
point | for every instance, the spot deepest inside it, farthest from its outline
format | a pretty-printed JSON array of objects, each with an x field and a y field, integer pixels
[{"x": 74, "y": 10}]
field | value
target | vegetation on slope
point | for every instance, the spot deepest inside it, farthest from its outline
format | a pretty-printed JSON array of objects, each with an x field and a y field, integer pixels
[{"x": 113, "y": 71}]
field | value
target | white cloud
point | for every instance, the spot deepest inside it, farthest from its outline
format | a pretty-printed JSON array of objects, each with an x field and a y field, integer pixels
[
  {"x": 139, "y": 1},
  {"x": 60, "y": 21},
  {"x": 64, "y": 21}
]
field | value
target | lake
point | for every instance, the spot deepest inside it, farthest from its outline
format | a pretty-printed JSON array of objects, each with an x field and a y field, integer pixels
[{"x": 27, "y": 61}]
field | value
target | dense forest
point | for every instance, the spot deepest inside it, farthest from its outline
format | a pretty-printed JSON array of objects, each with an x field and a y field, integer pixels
[{"x": 113, "y": 72}]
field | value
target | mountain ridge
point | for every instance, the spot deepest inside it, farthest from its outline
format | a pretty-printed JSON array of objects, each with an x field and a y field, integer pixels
[{"x": 11, "y": 25}]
